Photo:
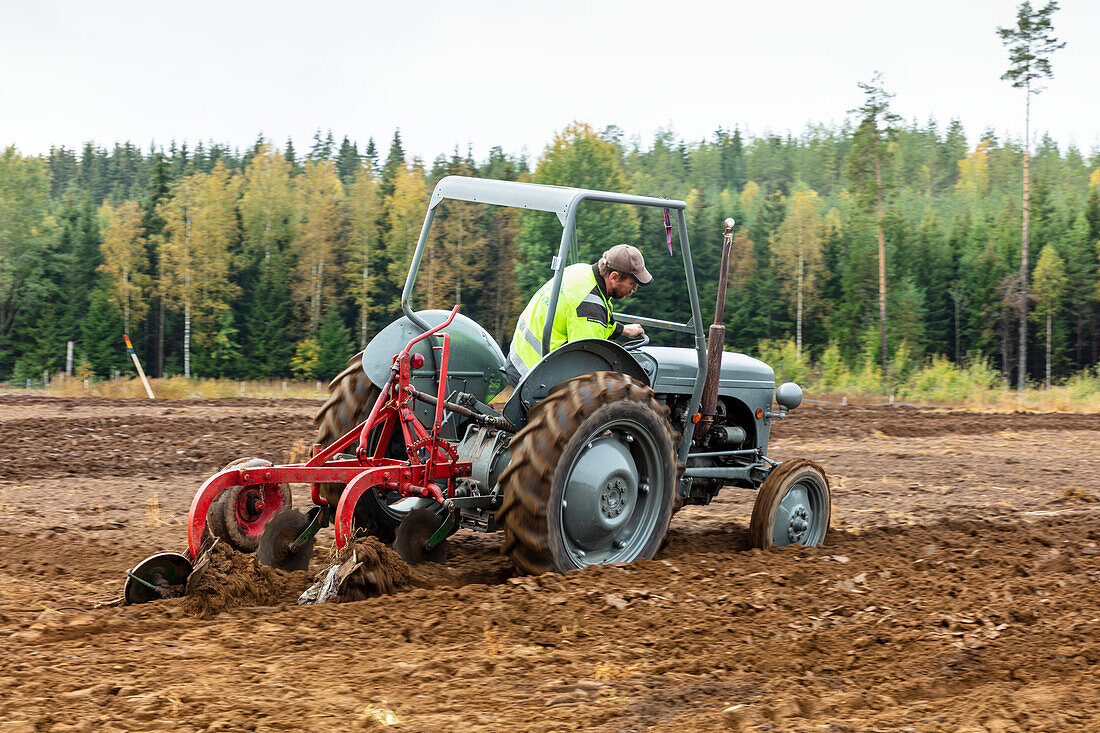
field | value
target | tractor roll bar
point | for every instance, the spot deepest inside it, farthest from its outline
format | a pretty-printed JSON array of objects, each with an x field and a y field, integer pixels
[{"x": 563, "y": 202}]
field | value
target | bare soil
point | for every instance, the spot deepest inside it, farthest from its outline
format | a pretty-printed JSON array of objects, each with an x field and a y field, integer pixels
[{"x": 958, "y": 590}]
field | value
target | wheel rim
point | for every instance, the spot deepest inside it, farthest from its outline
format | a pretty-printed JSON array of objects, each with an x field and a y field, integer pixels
[
  {"x": 255, "y": 505},
  {"x": 611, "y": 502},
  {"x": 802, "y": 515}
]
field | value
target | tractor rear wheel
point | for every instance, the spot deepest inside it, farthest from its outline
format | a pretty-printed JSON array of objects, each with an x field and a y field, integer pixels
[
  {"x": 793, "y": 506},
  {"x": 351, "y": 397},
  {"x": 592, "y": 477}
]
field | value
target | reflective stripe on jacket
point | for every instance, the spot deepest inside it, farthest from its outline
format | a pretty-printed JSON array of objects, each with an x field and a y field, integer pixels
[{"x": 583, "y": 312}]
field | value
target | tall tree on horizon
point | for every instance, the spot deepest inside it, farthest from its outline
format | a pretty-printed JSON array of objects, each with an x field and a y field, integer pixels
[
  {"x": 868, "y": 156},
  {"x": 1030, "y": 44}
]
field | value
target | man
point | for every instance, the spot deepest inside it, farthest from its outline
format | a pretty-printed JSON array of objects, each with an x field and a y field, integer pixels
[{"x": 583, "y": 310}]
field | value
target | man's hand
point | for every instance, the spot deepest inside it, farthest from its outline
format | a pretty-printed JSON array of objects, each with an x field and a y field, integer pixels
[{"x": 632, "y": 330}]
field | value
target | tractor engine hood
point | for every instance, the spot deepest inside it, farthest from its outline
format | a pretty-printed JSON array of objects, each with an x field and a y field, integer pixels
[{"x": 674, "y": 370}]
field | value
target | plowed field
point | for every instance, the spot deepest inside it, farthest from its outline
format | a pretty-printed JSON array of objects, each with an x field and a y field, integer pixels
[{"x": 959, "y": 590}]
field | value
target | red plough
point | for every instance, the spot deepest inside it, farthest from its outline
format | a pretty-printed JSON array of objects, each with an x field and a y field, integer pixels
[{"x": 431, "y": 459}]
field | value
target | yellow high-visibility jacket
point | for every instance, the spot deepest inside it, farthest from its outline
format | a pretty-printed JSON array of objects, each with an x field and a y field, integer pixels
[{"x": 583, "y": 311}]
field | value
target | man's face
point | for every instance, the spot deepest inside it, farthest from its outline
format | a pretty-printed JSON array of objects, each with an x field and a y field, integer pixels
[{"x": 620, "y": 285}]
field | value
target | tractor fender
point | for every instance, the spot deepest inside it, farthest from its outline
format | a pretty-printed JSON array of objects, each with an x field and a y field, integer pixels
[
  {"x": 565, "y": 362},
  {"x": 473, "y": 366}
]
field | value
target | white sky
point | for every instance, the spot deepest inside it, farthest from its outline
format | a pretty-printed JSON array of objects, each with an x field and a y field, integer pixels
[{"x": 512, "y": 73}]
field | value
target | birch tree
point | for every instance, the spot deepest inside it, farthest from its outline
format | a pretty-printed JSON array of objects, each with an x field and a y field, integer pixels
[
  {"x": 320, "y": 200},
  {"x": 797, "y": 253},
  {"x": 1049, "y": 285},
  {"x": 200, "y": 223},
  {"x": 124, "y": 260},
  {"x": 268, "y": 212},
  {"x": 364, "y": 243},
  {"x": 404, "y": 218}
]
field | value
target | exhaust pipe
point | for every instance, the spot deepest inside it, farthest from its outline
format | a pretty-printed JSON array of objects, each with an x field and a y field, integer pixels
[{"x": 716, "y": 336}]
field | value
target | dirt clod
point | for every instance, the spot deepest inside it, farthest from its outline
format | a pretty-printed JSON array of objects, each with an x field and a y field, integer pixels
[
  {"x": 369, "y": 568},
  {"x": 224, "y": 578}
]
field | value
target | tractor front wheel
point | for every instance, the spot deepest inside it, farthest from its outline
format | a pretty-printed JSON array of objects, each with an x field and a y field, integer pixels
[
  {"x": 592, "y": 477},
  {"x": 793, "y": 506}
]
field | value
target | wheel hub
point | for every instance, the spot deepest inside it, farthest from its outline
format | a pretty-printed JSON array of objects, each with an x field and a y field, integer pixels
[
  {"x": 613, "y": 501},
  {"x": 601, "y": 494},
  {"x": 798, "y": 524}
]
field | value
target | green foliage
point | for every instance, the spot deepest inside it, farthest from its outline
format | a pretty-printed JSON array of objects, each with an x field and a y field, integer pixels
[
  {"x": 219, "y": 353},
  {"x": 784, "y": 358},
  {"x": 101, "y": 337},
  {"x": 577, "y": 157},
  {"x": 941, "y": 380},
  {"x": 307, "y": 357},
  {"x": 951, "y": 229},
  {"x": 334, "y": 346},
  {"x": 1030, "y": 45}
]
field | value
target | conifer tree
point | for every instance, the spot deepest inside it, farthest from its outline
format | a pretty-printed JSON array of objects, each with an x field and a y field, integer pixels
[
  {"x": 348, "y": 162},
  {"x": 101, "y": 336},
  {"x": 27, "y": 234},
  {"x": 333, "y": 344},
  {"x": 866, "y": 161},
  {"x": 1030, "y": 44}
]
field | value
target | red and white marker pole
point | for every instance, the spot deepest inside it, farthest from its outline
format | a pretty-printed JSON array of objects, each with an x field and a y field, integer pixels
[{"x": 141, "y": 372}]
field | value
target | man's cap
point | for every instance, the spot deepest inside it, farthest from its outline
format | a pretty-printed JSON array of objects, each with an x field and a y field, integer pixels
[{"x": 628, "y": 259}]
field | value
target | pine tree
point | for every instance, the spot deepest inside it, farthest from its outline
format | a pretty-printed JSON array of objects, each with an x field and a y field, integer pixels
[
  {"x": 1030, "y": 44},
  {"x": 348, "y": 162},
  {"x": 101, "y": 336},
  {"x": 866, "y": 162},
  {"x": 394, "y": 161},
  {"x": 334, "y": 346},
  {"x": 268, "y": 336}
]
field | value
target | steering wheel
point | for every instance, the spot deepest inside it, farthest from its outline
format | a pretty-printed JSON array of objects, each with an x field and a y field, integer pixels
[{"x": 637, "y": 343}]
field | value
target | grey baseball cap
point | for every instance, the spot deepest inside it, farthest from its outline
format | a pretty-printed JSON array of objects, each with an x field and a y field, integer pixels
[{"x": 628, "y": 259}]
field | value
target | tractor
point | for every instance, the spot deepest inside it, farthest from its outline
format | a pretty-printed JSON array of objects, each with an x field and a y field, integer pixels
[{"x": 584, "y": 463}]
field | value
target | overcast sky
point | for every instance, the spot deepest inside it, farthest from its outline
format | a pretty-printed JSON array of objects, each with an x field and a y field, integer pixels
[{"x": 512, "y": 73}]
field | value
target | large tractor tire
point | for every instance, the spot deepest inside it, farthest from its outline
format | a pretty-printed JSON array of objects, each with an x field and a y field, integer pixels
[
  {"x": 351, "y": 397},
  {"x": 592, "y": 477}
]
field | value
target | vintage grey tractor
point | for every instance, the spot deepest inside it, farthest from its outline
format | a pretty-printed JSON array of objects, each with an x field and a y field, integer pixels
[
  {"x": 584, "y": 463},
  {"x": 599, "y": 444}
]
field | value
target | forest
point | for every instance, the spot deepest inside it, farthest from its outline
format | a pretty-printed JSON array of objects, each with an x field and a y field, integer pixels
[{"x": 272, "y": 262}]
